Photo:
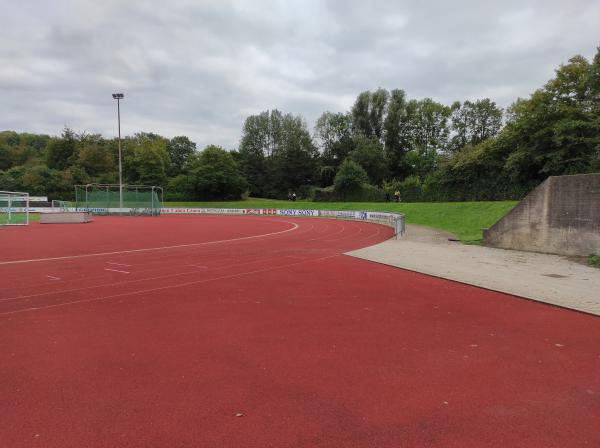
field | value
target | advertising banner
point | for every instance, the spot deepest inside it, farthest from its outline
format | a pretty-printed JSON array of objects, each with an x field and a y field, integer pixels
[
  {"x": 395, "y": 220},
  {"x": 225, "y": 211},
  {"x": 261, "y": 211},
  {"x": 342, "y": 214},
  {"x": 203, "y": 211},
  {"x": 381, "y": 216},
  {"x": 23, "y": 209},
  {"x": 297, "y": 212}
]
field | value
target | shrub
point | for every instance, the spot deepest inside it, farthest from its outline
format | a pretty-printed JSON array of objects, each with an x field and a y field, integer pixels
[
  {"x": 350, "y": 177},
  {"x": 365, "y": 193}
]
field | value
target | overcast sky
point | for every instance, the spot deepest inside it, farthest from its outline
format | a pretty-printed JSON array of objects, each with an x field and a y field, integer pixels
[{"x": 200, "y": 67}]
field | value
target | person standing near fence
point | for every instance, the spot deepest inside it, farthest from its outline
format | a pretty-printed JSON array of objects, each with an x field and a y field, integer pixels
[{"x": 397, "y": 196}]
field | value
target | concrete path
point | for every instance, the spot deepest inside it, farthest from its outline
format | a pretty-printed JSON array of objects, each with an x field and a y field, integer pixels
[{"x": 546, "y": 278}]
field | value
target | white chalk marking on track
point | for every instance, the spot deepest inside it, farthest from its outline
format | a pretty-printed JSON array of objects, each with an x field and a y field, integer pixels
[
  {"x": 279, "y": 253},
  {"x": 51, "y": 277},
  {"x": 133, "y": 251},
  {"x": 161, "y": 288},
  {"x": 179, "y": 274},
  {"x": 119, "y": 264},
  {"x": 116, "y": 270}
]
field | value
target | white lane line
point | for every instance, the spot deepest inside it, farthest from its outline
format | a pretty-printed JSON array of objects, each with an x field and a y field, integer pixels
[
  {"x": 116, "y": 270},
  {"x": 119, "y": 264},
  {"x": 198, "y": 266},
  {"x": 179, "y": 274},
  {"x": 132, "y": 251},
  {"x": 162, "y": 288},
  {"x": 51, "y": 277},
  {"x": 327, "y": 236}
]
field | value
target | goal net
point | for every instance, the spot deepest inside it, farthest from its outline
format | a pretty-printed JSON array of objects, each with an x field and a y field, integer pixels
[
  {"x": 61, "y": 206},
  {"x": 138, "y": 200},
  {"x": 14, "y": 208}
]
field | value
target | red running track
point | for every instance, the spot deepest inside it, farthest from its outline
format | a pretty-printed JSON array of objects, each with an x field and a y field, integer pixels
[{"x": 185, "y": 331}]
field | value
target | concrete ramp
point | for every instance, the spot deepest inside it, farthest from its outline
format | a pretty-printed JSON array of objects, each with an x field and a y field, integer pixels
[
  {"x": 65, "y": 218},
  {"x": 561, "y": 216}
]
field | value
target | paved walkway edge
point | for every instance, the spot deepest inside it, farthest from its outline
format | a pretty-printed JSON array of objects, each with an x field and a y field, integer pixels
[{"x": 544, "y": 278}]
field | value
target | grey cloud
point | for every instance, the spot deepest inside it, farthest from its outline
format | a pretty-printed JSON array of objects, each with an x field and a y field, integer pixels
[{"x": 199, "y": 68}]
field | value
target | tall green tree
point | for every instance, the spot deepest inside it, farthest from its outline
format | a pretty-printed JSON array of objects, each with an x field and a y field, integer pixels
[
  {"x": 151, "y": 160},
  {"x": 369, "y": 154},
  {"x": 557, "y": 130},
  {"x": 180, "y": 150},
  {"x": 474, "y": 122},
  {"x": 368, "y": 113},
  {"x": 361, "y": 115},
  {"x": 254, "y": 146},
  {"x": 215, "y": 175},
  {"x": 94, "y": 155},
  {"x": 378, "y": 111},
  {"x": 333, "y": 135},
  {"x": 61, "y": 149},
  {"x": 398, "y": 131},
  {"x": 295, "y": 161},
  {"x": 430, "y": 133},
  {"x": 277, "y": 154}
]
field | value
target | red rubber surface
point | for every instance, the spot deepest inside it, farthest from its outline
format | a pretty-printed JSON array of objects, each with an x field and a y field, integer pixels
[{"x": 311, "y": 347}]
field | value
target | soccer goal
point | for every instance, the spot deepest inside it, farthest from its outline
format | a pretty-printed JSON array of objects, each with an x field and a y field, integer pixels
[
  {"x": 14, "y": 208},
  {"x": 102, "y": 199},
  {"x": 61, "y": 206}
]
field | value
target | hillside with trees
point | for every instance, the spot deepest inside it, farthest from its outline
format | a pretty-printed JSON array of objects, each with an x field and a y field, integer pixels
[{"x": 469, "y": 150}]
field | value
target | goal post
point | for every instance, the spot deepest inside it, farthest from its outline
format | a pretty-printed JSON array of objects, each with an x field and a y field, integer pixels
[
  {"x": 104, "y": 199},
  {"x": 60, "y": 206},
  {"x": 14, "y": 208}
]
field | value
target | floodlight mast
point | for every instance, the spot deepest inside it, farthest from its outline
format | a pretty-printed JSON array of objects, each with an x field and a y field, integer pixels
[{"x": 119, "y": 97}]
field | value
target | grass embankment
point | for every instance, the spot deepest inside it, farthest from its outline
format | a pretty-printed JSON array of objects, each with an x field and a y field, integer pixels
[
  {"x": 464, "y": 219},
  {"x": 594, "y": 260}
]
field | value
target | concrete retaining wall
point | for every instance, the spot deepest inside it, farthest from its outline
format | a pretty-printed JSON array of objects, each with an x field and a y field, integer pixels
[{"x": 561, "y": 216}]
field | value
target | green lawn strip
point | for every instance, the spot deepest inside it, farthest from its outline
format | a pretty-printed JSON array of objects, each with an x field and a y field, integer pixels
[
  {"x": 18, "y": 218},
  {"x": 594, "y": 260},
  {"x": 464, "y": 219}
]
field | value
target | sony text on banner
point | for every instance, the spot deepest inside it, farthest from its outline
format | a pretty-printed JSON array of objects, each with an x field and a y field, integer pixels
[{"x": 297, "y": 212}]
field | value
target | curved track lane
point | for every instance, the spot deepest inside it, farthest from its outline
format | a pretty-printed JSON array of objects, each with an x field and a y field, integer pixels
[{"x": 257, "y": 331}]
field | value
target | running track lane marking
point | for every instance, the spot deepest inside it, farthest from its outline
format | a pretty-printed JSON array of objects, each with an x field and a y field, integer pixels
[
  {"x": 119, "y": 264},
  {"x": 51, "y": 277},
  {"x": 116, "y": 270},
  {"x": 70, "y": 257},
  {"x": 144, "y": 270},
  {"x": 161, "y": 288},
  {"x": 104, "y": 285},
  {"x": 282, "y": 253}
]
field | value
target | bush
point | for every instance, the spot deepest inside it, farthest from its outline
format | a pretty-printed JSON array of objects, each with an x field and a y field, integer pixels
[
  {"x": 324, "y": 194},
  {"x": 365, "y": 193},
  {"x": 306, "y": 192},
  {"x": 444, "y": 186},
  {"x": 179, "y": 188},
  {"x": 350, "y": 184},
  {"x": 216, "y": 176},
  {"x": 350, "y": 177},
  {"x": 411, "y": 189}
]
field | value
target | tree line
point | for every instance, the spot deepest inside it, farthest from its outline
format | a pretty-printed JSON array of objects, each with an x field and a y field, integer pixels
[{"x": 387, "y": 142}]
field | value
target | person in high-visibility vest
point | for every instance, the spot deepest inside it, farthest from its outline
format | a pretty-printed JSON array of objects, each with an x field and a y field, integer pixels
[{"x": 397, "y": 196}]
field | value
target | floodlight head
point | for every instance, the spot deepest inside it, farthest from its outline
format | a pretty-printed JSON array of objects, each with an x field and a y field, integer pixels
[{"x": 118, "y": 96}]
